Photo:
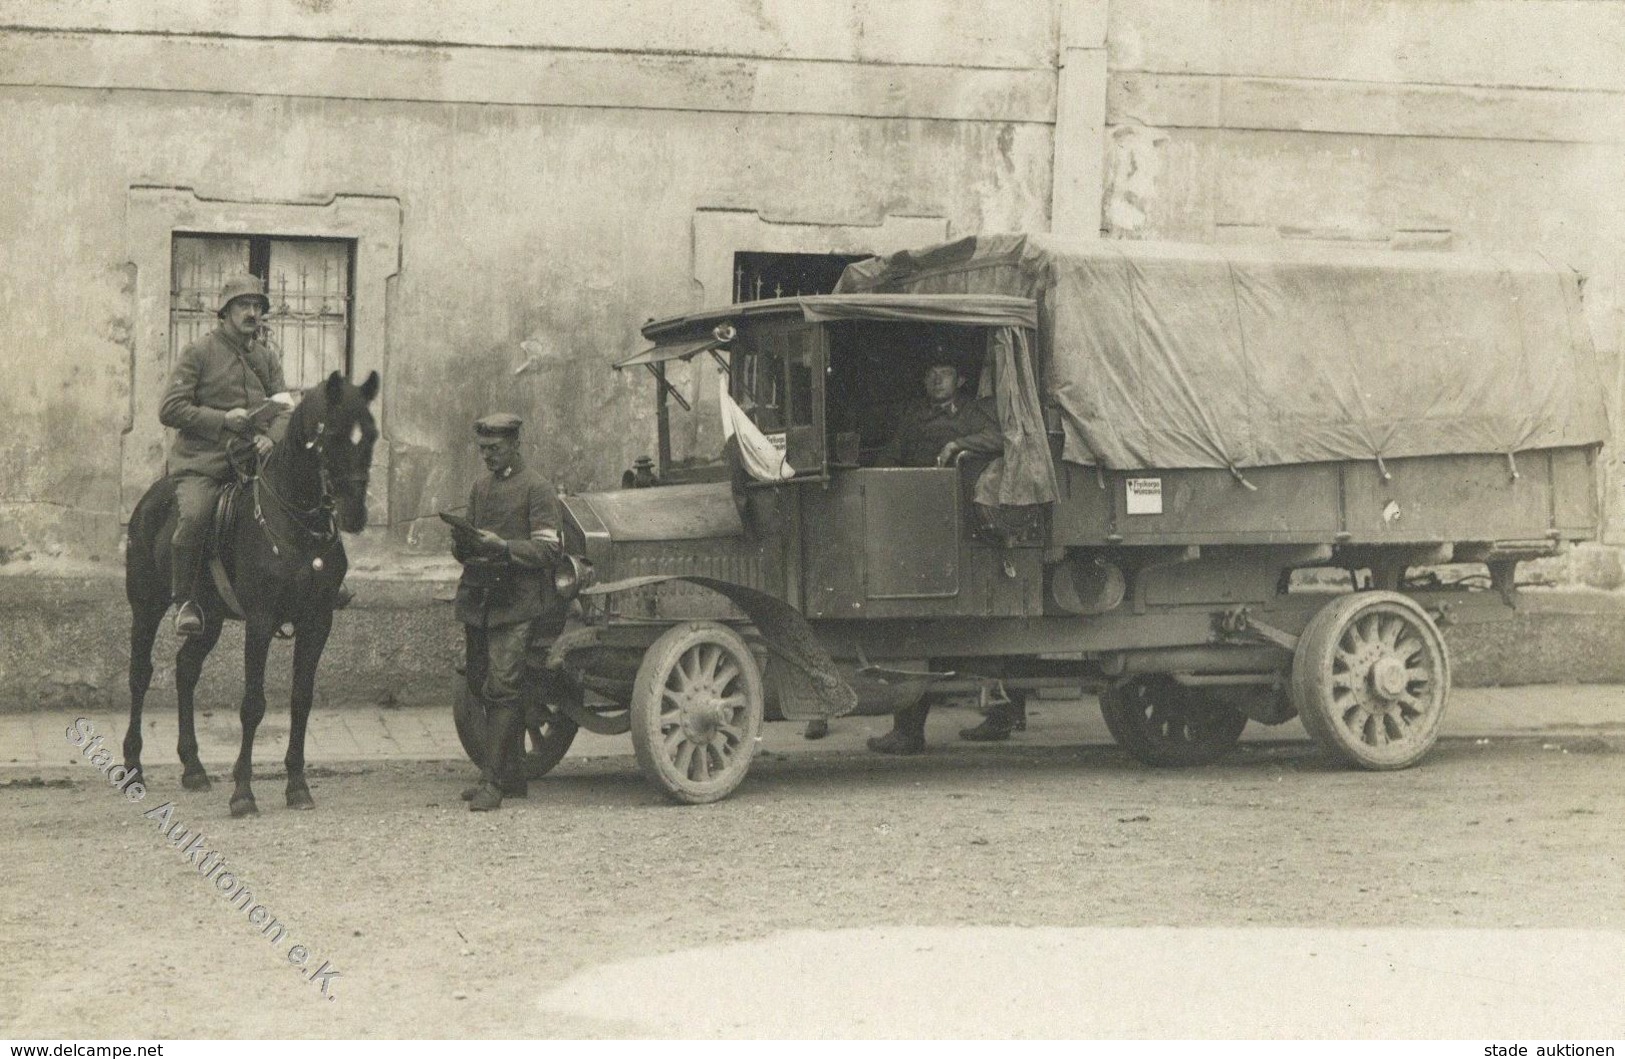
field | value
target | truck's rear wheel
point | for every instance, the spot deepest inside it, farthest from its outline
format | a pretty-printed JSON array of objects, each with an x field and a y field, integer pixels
[
  {"x": 1162, "y": 723},
  {"x": 1370, "y": 678},
  {"x": 697, "y": 711}
]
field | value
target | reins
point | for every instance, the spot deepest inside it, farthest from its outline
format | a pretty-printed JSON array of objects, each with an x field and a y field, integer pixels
[
  {"x": 325, "y": 532},
  {"x": 302, "y": 518},
  {"x": 317, "y": 523}
]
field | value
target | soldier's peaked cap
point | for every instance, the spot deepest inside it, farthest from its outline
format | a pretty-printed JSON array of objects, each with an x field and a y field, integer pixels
[
  {"x": 498, "y": 425},
  {"x": 242, "y": 286}
]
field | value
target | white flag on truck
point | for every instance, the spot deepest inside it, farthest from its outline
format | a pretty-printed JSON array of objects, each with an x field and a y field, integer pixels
[{"x": 762, "y": 459}]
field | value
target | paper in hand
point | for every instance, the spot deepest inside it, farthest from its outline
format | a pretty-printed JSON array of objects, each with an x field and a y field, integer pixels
[{"x": 459, "y": 525}]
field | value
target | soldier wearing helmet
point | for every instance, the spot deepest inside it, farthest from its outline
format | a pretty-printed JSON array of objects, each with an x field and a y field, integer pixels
[{"x": 217, "y": 385}]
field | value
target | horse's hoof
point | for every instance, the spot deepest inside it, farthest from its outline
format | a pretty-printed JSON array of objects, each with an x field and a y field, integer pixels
[
  {"x": 195, "y": 781},
  {"x": 299, "y": 798},
  {"x": 244, "y": 807}
]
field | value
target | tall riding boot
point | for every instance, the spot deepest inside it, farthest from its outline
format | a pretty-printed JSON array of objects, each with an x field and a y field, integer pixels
[
  {"x": 488, "y": 776},
  {"x": 183, "y": 560},
  {"x": 499, "y": 724},
  {"x": 511, "y": 780},
  {"x": 907, "y": 735}
]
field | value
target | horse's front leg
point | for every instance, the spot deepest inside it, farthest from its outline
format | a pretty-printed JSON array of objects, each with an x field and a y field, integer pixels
[
  {"x": 188, "y": 670},
  {"x": 310, "y": 638},
  {"x": 256, "y": 645}
]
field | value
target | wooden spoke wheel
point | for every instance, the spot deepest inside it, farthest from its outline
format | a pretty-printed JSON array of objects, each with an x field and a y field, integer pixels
[
  {"x": 1162, "y": 723},
  {"x": 697, "y": 711},
  {"x": 549, "y": 732},
  {"x": 1370, "y": 678}
]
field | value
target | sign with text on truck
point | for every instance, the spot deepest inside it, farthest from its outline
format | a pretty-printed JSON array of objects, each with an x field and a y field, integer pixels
[{"x": 1183, "y": 434}]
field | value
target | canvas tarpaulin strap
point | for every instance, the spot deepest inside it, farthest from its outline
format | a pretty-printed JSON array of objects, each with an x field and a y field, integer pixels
[{"x": 1163, "y": 355}]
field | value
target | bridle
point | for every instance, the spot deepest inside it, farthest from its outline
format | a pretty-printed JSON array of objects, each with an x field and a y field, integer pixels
[{"x": 318, "y": 524}]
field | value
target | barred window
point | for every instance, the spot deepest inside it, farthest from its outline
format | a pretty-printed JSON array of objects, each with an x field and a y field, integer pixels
[{"x": 308, "y": 281}]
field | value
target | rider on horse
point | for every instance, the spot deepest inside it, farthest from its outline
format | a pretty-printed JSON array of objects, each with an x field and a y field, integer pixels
[{"x": 216, "y": 392}]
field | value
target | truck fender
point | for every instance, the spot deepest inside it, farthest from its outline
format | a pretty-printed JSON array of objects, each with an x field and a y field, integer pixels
[{"x": 810, "y": 683}]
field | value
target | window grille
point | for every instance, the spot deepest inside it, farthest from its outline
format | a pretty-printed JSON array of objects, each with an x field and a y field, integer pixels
[
  {"x": 308, "y": 282},
  {"x": 763, "y": 275}
]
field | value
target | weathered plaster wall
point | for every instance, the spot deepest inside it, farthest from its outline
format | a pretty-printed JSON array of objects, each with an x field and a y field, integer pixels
[
  {"x": 1454, "y": 124},
  {"x": 548, "y": 171},
  {"x": 553, "y": 164}
]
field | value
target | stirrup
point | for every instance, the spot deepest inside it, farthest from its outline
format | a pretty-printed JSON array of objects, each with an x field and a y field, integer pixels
[{"x": 188, "y": 619}]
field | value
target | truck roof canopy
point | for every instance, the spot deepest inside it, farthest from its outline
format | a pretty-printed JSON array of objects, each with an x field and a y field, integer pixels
[
  {"x": 1169, "y": 355},
  {"x": 968, "y": 310}
]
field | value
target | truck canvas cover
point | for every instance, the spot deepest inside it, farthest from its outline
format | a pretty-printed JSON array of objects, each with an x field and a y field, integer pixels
[{"x": 1162, "y": 355}]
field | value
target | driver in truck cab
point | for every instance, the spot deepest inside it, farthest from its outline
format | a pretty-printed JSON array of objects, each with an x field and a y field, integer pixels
[{"x": 932, "y": 433}]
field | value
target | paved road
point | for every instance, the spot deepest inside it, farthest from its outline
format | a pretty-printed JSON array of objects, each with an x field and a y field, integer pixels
[{"x": 1047, "y": 887}]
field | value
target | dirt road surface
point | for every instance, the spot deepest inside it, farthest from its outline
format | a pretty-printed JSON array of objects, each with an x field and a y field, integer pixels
[{"x": 1015, "y": 890}]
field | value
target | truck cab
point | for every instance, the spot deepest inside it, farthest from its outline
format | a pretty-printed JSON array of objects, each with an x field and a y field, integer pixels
[{"x": 826, "y": 382}]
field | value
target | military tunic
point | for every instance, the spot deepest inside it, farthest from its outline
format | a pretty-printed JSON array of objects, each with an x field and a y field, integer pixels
[
  {"x": 214, "y": 375},
  {"x": 522, "y": 508},
  {"x": 507, "y": 603},
  {"x": 926, "y": 427}
]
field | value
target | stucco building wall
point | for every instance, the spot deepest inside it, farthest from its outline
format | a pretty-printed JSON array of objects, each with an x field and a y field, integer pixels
[
  {"x": 527, "y": 185},
  {"x": 554, "y": 182}
]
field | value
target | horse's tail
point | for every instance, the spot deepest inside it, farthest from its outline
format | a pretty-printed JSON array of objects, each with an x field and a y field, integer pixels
[{"x": 146, "y": 553}]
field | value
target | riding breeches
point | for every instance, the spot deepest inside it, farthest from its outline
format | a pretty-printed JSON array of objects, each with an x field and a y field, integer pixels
[
  {"x": 195, "y": 496},
  {"x": 496, "y": 660}
]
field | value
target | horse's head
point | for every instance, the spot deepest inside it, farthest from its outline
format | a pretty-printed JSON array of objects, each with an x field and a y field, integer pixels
[{"x": 348, "y": 433}]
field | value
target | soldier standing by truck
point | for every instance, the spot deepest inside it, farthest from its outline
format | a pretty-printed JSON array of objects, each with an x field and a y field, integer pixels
[{"x": 506, "y": 599}]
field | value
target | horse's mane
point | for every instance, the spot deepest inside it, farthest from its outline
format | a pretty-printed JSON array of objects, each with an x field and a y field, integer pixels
[{"x": 303, "y": 422}]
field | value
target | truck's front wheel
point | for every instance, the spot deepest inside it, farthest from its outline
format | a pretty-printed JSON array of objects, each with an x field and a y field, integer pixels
[{"x": 697, "y": 711}]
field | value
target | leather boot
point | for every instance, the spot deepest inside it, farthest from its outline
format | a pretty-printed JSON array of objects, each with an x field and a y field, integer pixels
[
  {"x": 907, "y": 735},
  {"x": 500, "y": 722},
  {"x": 1001, "y": 719},
  {"x": 183, "y": 562},
  {"x": 511, "y": 781},
  {"x": 512, "y": 784},
  {"x": 509, "y": 789}
]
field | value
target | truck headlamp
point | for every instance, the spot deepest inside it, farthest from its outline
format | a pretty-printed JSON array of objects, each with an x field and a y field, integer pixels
[{"x": 571, "y": 575}]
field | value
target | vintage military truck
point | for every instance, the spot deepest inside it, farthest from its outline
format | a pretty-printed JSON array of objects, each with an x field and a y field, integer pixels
[{"x": 1230, "y": 477}]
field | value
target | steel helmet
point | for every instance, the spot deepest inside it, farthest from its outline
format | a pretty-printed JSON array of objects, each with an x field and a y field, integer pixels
[{"x": 242, "y": 285}]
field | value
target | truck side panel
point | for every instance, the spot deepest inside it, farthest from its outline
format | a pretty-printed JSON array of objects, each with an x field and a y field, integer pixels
[{"x": 1431, "y": 499}]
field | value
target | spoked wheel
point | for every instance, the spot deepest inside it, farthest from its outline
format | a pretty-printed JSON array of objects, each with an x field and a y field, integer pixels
[
  {"x": 1160, "y": 722},
  {"x": 1370, "y": 678},
  {"x": 549, "y": 732},
  {"x": 697, "y": 711}
]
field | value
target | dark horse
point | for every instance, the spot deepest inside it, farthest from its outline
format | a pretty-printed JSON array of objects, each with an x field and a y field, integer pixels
[{"x": 288, "y": 561}]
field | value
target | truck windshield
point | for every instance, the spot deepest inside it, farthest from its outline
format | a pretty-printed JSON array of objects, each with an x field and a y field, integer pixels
[{"x": 693, "y": 434}]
